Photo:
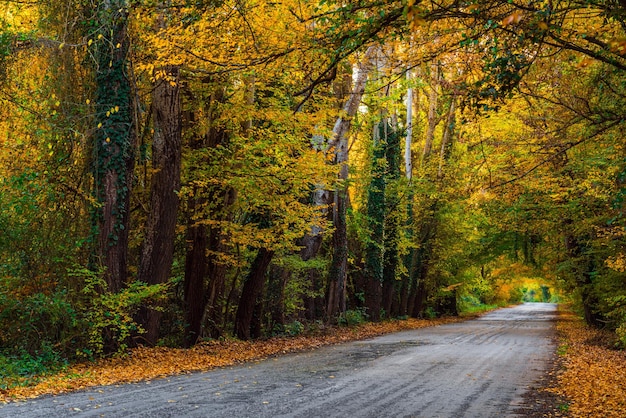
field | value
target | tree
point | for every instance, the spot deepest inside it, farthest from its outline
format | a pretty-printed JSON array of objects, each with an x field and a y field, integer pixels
[
  {"x": 114, "y": 142},
  {"x": 158, "y": 246}
]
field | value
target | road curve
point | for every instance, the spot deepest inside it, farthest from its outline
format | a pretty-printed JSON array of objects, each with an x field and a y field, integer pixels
[{"x": 478, "y": 368}]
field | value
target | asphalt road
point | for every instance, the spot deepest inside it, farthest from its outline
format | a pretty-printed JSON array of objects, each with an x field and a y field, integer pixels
[{"x": 477, "y": 368}]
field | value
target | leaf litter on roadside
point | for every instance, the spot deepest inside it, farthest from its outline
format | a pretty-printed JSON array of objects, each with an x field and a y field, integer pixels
[
  {"x": 145, "y": 363},
  {"x": 593, "y": 378}
]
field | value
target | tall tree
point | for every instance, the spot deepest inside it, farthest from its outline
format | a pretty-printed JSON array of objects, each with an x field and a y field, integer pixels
[
  {"x": 374, "y": 247},
  {"x": 336, "y": 300},
  {"x": 114, "y": 141},
  {"x": 158, "y": 246}
]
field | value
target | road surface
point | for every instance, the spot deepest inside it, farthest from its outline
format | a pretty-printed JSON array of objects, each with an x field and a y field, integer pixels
[{"x": 478, "y": 368}]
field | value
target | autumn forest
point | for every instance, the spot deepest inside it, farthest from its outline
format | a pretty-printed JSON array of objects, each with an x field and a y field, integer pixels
[{"x": 177, "y": 171}]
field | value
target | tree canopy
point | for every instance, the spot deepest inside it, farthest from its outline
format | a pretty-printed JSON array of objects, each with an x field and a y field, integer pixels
[{"x": 175, "y": 171}]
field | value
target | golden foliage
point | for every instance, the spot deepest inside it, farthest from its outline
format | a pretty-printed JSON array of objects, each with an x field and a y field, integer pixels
[{"x": 594, "y": 379}]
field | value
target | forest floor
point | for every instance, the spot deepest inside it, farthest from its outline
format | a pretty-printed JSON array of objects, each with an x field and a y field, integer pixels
[{"x": 588, "y": 377}]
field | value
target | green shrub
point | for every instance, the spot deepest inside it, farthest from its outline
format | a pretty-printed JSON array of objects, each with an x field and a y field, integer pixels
[
  {"x": 617, "y": 317},
  {"x": 107, "y": 318},
  {"x": 24, "y": 368},
  {"x": 294, "y": 328},
  {"x": 352, "y": 317},
  {"x": 29, "y": 322}
]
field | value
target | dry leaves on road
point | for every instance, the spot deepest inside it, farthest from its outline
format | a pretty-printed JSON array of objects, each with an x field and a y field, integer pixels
[
  {"x": 148, "y": 363},
  {"x": 594, "y": 378}
]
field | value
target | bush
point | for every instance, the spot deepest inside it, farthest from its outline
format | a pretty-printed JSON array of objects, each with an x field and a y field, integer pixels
[
  {"x": 24, "y": 368},
  {"x": 352, "y": 317},
  {"x": 30, "y": 322},
  {"x": 106, "y": 318},
  {"x": 294, "y": 328},
  {"x": 617, "y": 317}
]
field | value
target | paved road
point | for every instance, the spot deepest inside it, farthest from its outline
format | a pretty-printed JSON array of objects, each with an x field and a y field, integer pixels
[{"x": 477, "y": 368}]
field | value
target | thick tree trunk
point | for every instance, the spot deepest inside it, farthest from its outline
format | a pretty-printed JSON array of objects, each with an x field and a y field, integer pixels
[
  {"x": 196, "y": 266},
  {"x": 158, "y": 246},
  {"x": 279, "y": 276},
  {"x": 115, "y": 142},
  {"x": 582, "y": 269},
  {"x": 205, "y": 276},
  {"x": 339, "y": 266},
  {"x": 311, "y": 244},
  {"x": 252, "y": 288},
  {"x": 217, "y": 278},
  {"x": 421, "y": 263}
]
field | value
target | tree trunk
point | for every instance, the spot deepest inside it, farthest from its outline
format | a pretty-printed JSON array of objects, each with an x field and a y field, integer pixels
[
  {"x": 204, "y": 276},
  {"x": 115, "y": 142},
  {"x": 251, "y": 290},
  {"x": 158, "y": 246},
  {"x": 338, "y": 271},
  {"x": 446, "y": 140},
  {"x": 421, "y": 262},
  {"x": 311, "y": 244},
  {"x": 582, "y": 269},
  {"x": 405, "y": 287},
  {"x": 391, "y": 258},
  {"x": 339, "y": 265},
  {"x": 408, "y": 162},
  {"x": 216, "y": 274},
  {"x": 279, "y": 276},
  {"x": 196, "y": 264},
  {"x": 376, "y": 218},
  {"x": 433, "y": 119}
]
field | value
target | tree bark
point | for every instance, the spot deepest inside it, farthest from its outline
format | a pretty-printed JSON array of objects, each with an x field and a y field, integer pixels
[
  {"x": 204, "y": 276},
  {"x": 408, "y": 162},
  {"x": 391, "y": 257},
  {"x": 374, "y": 248},
  {"x": 252, "y": 288},
  {"x": 196, "y": 265},
  {"x": 115, "y": 142},
  {"x": 433, "y": 119},
  {"x": 158, "y": 246},
  {"x": 336, "y": 301}
]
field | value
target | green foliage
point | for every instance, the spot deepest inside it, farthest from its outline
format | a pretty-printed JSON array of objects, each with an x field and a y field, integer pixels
[
  {"x": 352, "y": 317},
  {"x": 294, "y": 328},
  {"x": 69, "y": 323},
  {"x": 23, "y": 368},
  {"x": 617, "y": 314},
  {"x": 31, "y": 322},
  {"x": 106, "y": 318}
]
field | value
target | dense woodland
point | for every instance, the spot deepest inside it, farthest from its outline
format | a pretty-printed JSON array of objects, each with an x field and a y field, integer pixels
[{"x": 174, "y": 171}]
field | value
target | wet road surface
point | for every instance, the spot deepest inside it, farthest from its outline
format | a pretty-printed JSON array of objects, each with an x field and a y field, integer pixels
[{"x": 478, "y": 368}]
